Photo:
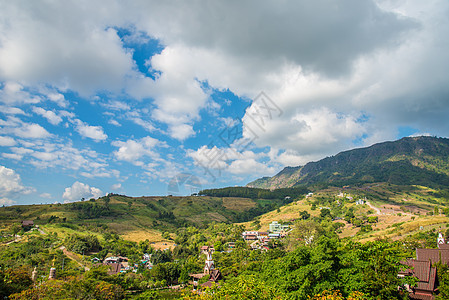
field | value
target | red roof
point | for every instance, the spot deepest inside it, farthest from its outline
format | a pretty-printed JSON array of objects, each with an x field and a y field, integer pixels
[
  {"x": 215, "y": 275},
  {"x": 114, "y": 268},
  {"x": 443, "y": 246},
  {"x": 433, "y": 255},
  {"x": 426, "y": 275}
]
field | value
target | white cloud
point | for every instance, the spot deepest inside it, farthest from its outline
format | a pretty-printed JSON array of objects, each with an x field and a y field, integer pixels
[
  {"x": 217, "y": 160},
  {"x": 13, "y": 93},
  {"x": 46, "y": 195},
  {"x": 144, "y": 124},
  {"x": 133, "y": 150},
  {"x": 80, "y": 190},
  {"x": 48, "y": 114},
  {"x": 14, "y": 156},
  {"x": 31, "y": 130},
  {"x": 58, "y": 99},
  {"x": 7, "y": 141},
  {"x": 117, "y": 105},
  {"x": 249, "y": 166},
  {"x": 182, "y": 131},
  {"x": 114, "y": 122},
  {"x": 11, "y": 110},
  {"x": 101, "y": 172},
  {"x": 63, "y": 44},
  {"x": 11, "y": 186},
  {"x": 95, "y": 133},
  {"x": 116, "y": 186}
]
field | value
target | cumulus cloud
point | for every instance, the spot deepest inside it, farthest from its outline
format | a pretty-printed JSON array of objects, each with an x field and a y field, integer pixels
[
  {"x": 13, "y": 93},
  {"x": 133, "y": 150},
  {"x": 95, "y": 133},
  {"x": 31, "y": 130},
  {"x": 80, "y": 190},
  {"x": 46, "y": 42},
  {"x": 48, "y": 114},
  {"x": 58, "y": 98},
  {"x": 215, "y": 160},
  {"x": 7, "y": 141},
  {"x": 11, "y": 186}
]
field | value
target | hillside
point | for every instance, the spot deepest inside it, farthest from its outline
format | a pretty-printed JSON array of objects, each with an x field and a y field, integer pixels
[
  {"x": 399, "y": 210},
  {"x": 408, "y": 161},
  {"x": 134, "y": 218}
]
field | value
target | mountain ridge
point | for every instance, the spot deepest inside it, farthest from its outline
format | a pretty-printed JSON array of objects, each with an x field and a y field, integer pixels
[{"x": 422, "y": 160}]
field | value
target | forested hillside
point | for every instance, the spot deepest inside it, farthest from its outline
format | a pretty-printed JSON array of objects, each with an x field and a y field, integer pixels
[{"x": 409, "y": 161}]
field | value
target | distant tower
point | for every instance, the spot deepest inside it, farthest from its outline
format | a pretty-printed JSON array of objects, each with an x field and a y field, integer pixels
[
  {"x": 52, "y": 273},
  {"x": 209, "y": 266},
  {"x": 34, "y": 274},
  {"x": 440, "y": 239}
]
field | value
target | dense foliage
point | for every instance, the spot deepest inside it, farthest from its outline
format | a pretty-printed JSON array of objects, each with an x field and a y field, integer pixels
[
  {"x": 255, "y": 193},
  {"x": 414, "y": 160},
  {"x": 311, "y": 262}
]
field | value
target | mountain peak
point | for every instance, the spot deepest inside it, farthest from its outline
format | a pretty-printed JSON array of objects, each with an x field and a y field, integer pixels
[{"x": 422, "y": 160}]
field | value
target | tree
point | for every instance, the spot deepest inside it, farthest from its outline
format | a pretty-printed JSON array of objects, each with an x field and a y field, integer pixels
[
  {"x": 304, "y": 215},
  {"x": 325, "y": 213},
  {"x": 374, "y": 267},
  {"x": 16, "y": 229},
  {"x": 242, "y": 288},
  {"x": 14, "y": 280},
  {"x": 443, "y": 279}
]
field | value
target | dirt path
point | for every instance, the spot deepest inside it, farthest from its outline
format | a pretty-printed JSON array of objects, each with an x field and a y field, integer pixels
[
  {"x": 373, "y": 207},
  {"x": 17, "y": 238},
  {"x": 73, "y": 256}
]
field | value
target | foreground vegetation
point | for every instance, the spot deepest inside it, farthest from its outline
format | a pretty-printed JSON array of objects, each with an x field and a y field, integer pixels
[
  {"x": 311, "y": 261},
  {"x": 321, "y": 258}
]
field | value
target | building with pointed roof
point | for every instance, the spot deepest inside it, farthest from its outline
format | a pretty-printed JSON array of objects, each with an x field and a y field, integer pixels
[{"x": 424, "y": 269}]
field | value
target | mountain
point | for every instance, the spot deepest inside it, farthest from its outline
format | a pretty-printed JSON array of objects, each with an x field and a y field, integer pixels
[{"x": 420, "y": 160}]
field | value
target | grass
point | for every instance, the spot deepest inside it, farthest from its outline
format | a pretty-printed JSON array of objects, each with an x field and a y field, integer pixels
[{"x": 238, "y": 204}]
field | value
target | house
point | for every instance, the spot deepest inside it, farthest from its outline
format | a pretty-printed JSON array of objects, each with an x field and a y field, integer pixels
[
  {"x": 309, "y": 195},
  {"x": 115, "y": 259},
  {"x": 261, "y": 235},
  {"x": 231, "y": 245},
  {"x": 426, "y": 286},
  {"x": 146, "y": 256},
  {"x": 422, "y": 268},
  {"x": 250, "y": 235},
  {"x": 114, "y": 268},
  {"x": 274, "y": 235},
  {"x": 96, "y": 260},
  {"x": 275, "y": 227},
  {"x": 206, "y": 249},
  {"x": 27, "y": 223},
  {"x": 111, "y": 260},
  {"x": 360, "y": 201}
]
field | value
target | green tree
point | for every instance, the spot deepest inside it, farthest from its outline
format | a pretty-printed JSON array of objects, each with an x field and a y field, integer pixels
[{"x": 304, "y": 215}]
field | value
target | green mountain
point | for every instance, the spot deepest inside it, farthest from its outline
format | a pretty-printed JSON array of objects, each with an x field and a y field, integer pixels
[{"x": 409, "y": 161}]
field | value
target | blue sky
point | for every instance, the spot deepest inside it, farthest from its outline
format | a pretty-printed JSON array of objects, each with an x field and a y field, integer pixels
[{"x": 136, "y": 98}]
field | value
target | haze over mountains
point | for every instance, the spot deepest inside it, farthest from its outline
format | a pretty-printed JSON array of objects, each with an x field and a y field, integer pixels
[{"x": 420, "y": 160}]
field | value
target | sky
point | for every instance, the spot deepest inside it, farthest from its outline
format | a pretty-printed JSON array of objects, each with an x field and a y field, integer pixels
[{"x": 171, "y": 97}]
